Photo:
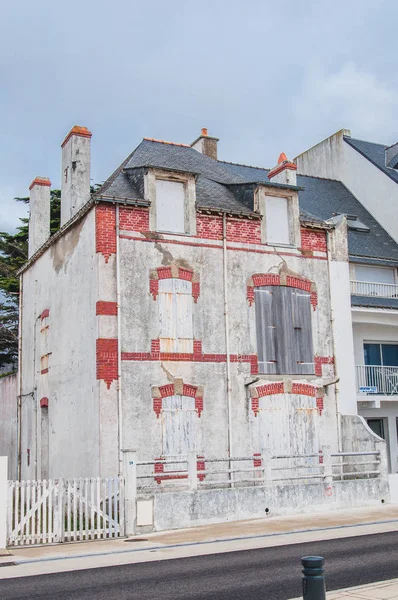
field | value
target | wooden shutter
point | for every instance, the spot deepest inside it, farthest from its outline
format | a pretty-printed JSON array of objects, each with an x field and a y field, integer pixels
[
  {"x": 266, "y": 329},
  {"x": 175, "y": 315},
  {"x": 179, "y": 420},
  {"x": 302, "y": 332},
  {"x": 277, "y": 220},
  {"x": 167, "y": 320}
]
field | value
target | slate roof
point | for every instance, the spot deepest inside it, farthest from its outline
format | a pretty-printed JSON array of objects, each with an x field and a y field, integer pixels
[
  {"x": 375, "y": 153},
  {"x": 229, "y": 187}
]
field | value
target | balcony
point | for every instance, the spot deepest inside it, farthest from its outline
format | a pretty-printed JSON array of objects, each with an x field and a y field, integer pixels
[
  {"x": 369, "y": 288},
  {"x": 377, "y": 380}
]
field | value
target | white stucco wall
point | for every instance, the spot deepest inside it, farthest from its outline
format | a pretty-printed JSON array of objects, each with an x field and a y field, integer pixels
[
  {"x": 64, "y": 281},
  {"x": 8, "y": 422},
  {"x": 3, "y": 501}
]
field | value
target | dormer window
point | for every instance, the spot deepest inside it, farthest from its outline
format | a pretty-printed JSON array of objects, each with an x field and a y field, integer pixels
[
  {"x": 170, "y": 206},
  {"x": 173, "y": 198}
]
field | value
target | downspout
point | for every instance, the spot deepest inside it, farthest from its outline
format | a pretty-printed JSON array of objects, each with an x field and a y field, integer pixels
[
  {"x": 337, "y": 391},
  {"x": 227, "y": 347},
  {"x": 19, "y": 397},
  {"x": 119, "y": 347}
]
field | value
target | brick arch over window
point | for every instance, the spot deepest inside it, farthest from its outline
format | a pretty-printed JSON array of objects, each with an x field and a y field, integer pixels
[
  {"x": 178, "y": 388},
  {"x": 286, "y": 387},
  {"x": 282, "y": 279},
  {"x": 174, "y": 272}
]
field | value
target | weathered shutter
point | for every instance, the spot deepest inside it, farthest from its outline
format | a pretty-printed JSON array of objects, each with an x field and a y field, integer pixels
[
  {"x": 179, "y": 419},
  {"x": 170, "y": 206},
  {"x": 183, "y": 316},
  {"x": 277, "y": 220},
  {"x": 266, "y": 329},
  {"x": 302, "y": 332},
  {"x": 274, "y": 424},
  {"x": 303, "y": 423},
  {"x": 167, "y": 321}
]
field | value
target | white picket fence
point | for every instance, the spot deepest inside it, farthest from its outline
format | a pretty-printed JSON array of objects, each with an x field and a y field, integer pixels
[{"x": 65, "y": 510}]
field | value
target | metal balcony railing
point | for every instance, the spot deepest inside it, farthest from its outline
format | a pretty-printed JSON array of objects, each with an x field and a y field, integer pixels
[
  {"x": 369, "y": 288},
  {"x": 374, "y": 379}
]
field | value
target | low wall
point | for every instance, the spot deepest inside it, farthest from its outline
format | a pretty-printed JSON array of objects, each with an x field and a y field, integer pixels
[
  {"x": 176, "y": 510},
  {"x": 8, "y": 422}
]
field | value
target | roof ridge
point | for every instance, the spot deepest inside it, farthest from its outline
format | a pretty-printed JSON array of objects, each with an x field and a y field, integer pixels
[
  {"x": 317, "y": 177},
  {"x": 147, "y": 139},
  {"x": 346, "y": 137},
  {"x": 227, "y": 162}
]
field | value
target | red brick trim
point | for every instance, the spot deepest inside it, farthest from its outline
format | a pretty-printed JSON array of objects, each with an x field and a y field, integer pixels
[
  {"x": 106, "y": 308},
  {"x": 164, "y": 476},
  {"x": 313, "y": 240},
  {"x": 200, "y": 466},
  {"x": 280, "y": 387},
  {"x": 133, "y": 218},
  {"x": 44, "y": 371},
  {"x": 322, "y": 360},
  {"x": 40, "y": 181},
  {"x": 44, "y": 402},
  {"x": 78, "y": 131},
  {"x": 257, "y": 461},
  {"x": 105, "y": 230},
  {"x": 172, "y": 389},
  {"x": 173, "y": 272},
  {"x": 107, "y": 349},
  {"x": 196, "y": 356},
  {"x": 295, "y": 281},
  {"x": 45, "y": 313},
  {"x": 239, "y": 229}
]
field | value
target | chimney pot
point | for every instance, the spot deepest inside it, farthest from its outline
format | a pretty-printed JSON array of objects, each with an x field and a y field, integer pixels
[
  {"x": 284, "y": 171},
  {"x": 206, "y": 144},
  {"x": 204, "y": 131}
]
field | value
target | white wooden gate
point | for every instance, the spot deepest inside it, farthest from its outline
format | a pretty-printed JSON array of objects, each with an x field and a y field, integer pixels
[{"x": 65, "y": 510}]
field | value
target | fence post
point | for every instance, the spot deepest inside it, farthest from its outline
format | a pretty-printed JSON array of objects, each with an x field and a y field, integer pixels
[
  {"x": 327, "y": 468},
  {"x": 192, "y": 470},
  {"x": 266, "y": 464},
  {"x": 130, "y": 490},
  {"x": 313, "y": 578},
  {"x": 3, "y": 501}
]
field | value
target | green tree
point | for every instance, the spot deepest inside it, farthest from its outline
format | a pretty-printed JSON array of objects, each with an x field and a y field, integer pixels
[{"x": 13, "y": 255}]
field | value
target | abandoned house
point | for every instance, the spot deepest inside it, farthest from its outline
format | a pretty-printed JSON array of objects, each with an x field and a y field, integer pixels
[{"x": 188, "y": 304}]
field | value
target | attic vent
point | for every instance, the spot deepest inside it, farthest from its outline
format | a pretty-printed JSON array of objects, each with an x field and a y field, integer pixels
[{"x": 353, "y": 223}]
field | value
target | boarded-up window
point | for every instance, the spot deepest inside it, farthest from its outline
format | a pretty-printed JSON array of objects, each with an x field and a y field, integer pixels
[
  {"x": 179, "y": 421},
  {"x": 284, "y": 331},
  {"x": 288, "y": 424},
  {"x": 277, "y": 220},
  {"x": 175, "y": 315},
  {"x": 170, "y": 206}
]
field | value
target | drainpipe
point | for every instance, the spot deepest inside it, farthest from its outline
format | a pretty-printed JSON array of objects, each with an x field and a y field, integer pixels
[
  {"x": 227, "y": 348},
  {"x": 19, "y": 397},
  {"x": 336, "y": 389},
  {"x": 119, "y": 346}
]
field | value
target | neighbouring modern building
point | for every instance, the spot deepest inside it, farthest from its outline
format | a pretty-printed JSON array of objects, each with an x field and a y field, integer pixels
[
  {"x": 367, "y": 175},
  {"x": 188, "y": 304}
]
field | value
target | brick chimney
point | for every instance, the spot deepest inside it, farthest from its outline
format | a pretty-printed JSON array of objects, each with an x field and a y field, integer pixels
[
  {"x": 391, "y": 154},
  {"x": 284, "y": 172},
  {"x": 206, "y": 144},
  {"x": 39, "y": 213},
  {"x": 75, "y": 176}
]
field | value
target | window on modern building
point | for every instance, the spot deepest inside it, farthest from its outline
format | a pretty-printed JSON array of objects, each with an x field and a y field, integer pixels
[
  {"x": 179, "y": 426},
  {"x": 284, "y": 330},
  {"x": 374, "y": 274},
  {"x": 277, "y": 220},
  {"x": 170, "y": 206},
  {"x": 175, "y": 315}
]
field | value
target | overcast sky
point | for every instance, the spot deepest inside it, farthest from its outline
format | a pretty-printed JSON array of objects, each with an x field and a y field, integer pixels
[{"x": 262, "y": 76}]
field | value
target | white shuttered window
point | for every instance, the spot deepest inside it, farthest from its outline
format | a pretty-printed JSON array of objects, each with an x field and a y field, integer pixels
[
  {"x": 277, "y": 220},
  {"x": 175, "y": 315},
  {"x": 170, "y": 206}
]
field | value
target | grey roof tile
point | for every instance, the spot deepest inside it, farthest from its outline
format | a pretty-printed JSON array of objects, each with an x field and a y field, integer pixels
[
  {"x": 375, "y": 153},
  {"x": 374, "y": 302}
]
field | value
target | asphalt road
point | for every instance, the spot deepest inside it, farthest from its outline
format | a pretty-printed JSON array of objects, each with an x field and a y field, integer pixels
[{"x": 265, "y": 574}]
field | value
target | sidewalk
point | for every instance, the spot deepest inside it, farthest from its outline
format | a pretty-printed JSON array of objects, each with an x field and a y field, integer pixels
[
  {"x": 385, "y": 590},
  {"x": 206, "y": 539}
]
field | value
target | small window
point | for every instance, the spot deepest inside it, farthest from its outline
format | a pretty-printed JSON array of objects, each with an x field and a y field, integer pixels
[
  {"x": 374, "y": 274},
  {"x": 170, "y": 206},
  {"x": 175, "y": 315},
  {"x": 277, "y": 220},
  {"x": 284, "y": 330}
]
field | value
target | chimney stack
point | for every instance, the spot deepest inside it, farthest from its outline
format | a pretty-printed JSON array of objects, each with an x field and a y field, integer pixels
[
  {"x": 75, "y": 176},
  {"x": 206, "y": 144},
  {"x": 284, "y": 172},
  {"x": 391, "y": 154},
  {"x": 39, "y": 213}
]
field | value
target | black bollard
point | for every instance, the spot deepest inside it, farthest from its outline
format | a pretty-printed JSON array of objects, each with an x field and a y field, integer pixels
[{"x": 313, "y": 578}]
